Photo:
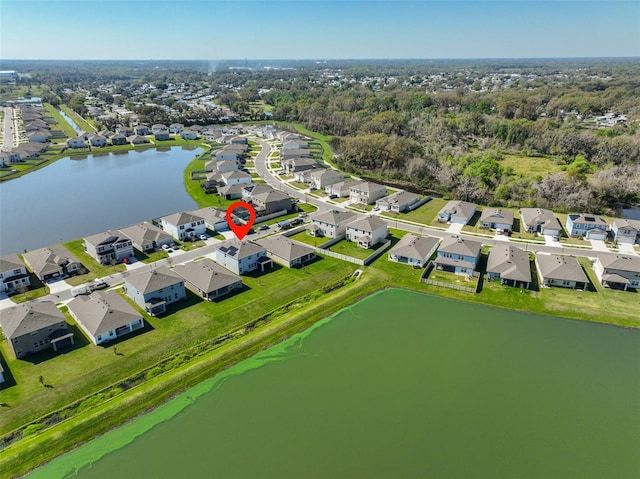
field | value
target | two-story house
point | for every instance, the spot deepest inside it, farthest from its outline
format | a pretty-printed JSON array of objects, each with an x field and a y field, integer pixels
[
  {"x": 146, "y": 237},
  {"x": 366, "y": 193},
  {"x": 154, "y": 290},
  {"x": 590, "y": 226},
  {"x": 183, "y": 225},
  {"x": 626, "y": 231},
  {"x": 242, "y": 257},
  {"x": 367, "y": 231},
  {"x": 13, "y": 274},
  {"x": 323, "y": 177},
  {"x": 35, "y": 326},
  {"x": 331, "y": 224},
  {"x": 109, "y": 247},
  {"x": 269, "y": 202},
  {"x": 458, "y": 255},
  {"x": 618, "y": 271}
]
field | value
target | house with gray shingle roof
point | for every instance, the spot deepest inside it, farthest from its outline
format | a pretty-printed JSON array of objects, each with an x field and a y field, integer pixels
[
  {"x": 458, "y": 255},
  {"x": 510, "y": 265},
  {"x": 105, "y": 316},
  {"x": 626, "y": 231},
  {"x": 618, "y": 271},
  {"x": 413, "y": 250},
  {"x": 459, "y": 212},
  {"x": 589, "y": 226},
  {"x": 231, "y": 192},
  {"x": 367, "y": 231},
  {"x": 366, "y": 192},
  {"x": 331, "y": 224},
  {"x": 324, "y": 177},
  {"x": 35, "y": 326},
  {"x": 208, "y": 279},
  {"x": 560, "y": 270},
  {"x": 340, "y": 189},
  {"x": 287, "y": 252},
  {"x": 13, "y": 274},
  {"x": 155, "y": 289},
  {"x": 296, "y": 165},
  {"x": 398, "y": 202},
  {"x": 183, "y": 225},
  {"x": 497, "y": 219},
  {"x": 241, "y": 257},
  {"x": 146, "y": 237},
  {"x": 214, "y": 219},
  {"x": 272, "y": 201},
  {"x": 539, "y": 220},
  {"x": 52, "y": 262},
  {"x": 108, "y": 247}
]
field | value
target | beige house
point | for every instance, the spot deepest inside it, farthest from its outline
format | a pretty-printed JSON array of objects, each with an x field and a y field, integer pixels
[
  {"x": 208, "y": 279},
  {"x": 560, "y": 270},
  {"x": 414, "y": 250},
  {"x": 287, "y": 252},
  {"x": 510, "y": 265},
  {"x": 618, "y": 271},
  {"x": 366, "y": 193},
  {"x": 367, "y": 231}
]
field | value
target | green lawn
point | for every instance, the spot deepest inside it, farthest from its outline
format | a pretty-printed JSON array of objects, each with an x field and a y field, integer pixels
[
  {"x": 352, "y": 249},
  {"x": 81, "y": 122},
  {"x": 86, "y": 368},
  {"x": 38, "y": 289},
  {"x": 304, "y": 237},
  {"x": 150, "y": 256},
  {"x": 425, "y": 214},
  {"x": 530, "y": 166},
  {"x": 96, "y": 270}
]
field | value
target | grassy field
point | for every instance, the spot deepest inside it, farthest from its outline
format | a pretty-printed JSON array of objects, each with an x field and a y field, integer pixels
[
  {"x": 85, "y": 368},
  {"x": 530, "y": 166},
  {"x": 303, "y": 237},
  {"x": 350, "y": 248},
  {"x": 78, "y": 120},
  {"x": 61, "y": 123},
  {"x": 425, "y": 214}
]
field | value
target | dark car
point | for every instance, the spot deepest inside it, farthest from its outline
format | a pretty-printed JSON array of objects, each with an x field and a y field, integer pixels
[{"x": 263, "y": 227}]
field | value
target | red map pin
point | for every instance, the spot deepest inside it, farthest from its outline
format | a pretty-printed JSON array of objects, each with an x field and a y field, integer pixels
[{"x": 241, "y": 230}]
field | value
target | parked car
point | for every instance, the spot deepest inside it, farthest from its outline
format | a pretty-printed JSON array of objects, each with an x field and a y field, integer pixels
[
  {"x": 263, "y": 227},
  {"x": 126, "y": 260},
  {"x": 333, "y": 197},
  {"x": 203, "y": 237},
  {"x": 302, "y": 215},
  {"x": 98, "y": 284},
  {"x": 166, "y": 247}
]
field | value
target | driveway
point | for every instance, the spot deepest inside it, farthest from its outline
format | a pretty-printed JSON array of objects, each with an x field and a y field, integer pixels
[
  {"x": 599, "y": 245},
  {"x": 549, "y": 241},
  {"x": 626, "y": 248},
  {"x": 455, "y": 228}
]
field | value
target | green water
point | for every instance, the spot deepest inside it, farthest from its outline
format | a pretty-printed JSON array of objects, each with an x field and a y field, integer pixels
[{"x": 399, "y": 385}]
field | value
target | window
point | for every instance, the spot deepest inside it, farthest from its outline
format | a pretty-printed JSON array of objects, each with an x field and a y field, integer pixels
[
  {"x": 50, "y": 329},
  {"x": 16, "y": 271},
  {"x": 99, "y": 338}
]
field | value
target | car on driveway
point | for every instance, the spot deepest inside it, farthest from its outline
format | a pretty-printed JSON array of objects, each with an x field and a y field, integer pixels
[
  {"x": 126, "y": 260},
  {"x": 204, "y": 237}
]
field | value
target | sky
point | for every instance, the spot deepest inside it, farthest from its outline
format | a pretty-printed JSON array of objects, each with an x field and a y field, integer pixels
[{"x": 317, "y": 29}]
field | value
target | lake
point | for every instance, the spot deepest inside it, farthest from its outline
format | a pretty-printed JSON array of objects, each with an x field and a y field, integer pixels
[
  {"x": 82, "y": 195},
  {"x": 399, "y": 385}
]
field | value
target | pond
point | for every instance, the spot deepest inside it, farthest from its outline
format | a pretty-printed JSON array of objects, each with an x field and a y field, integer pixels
[
  {"x": 82, "y": 195},
  {"x": 399, "y": 385}
]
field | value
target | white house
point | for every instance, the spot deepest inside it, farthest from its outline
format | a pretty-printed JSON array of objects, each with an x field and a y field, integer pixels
[
  {"x": 236, "y": 177},
  {"x": 325, "y": 177},
  {"x": 366, "y": 192},
  {"x": 76, "y": 142},
  {"x": 241, "y": 257},
  {"x": 626, "y": 231},
  {"x": 367, "y": 232},
  {"x": 176, "y": 128},
  {"x": 183, "y": 225},
  {"x": 414, "y": 250},
  {"x": 13, "y": 274},
  {"x": 108, "y": 247},
  {"x": 105, "y": 316},
  {"x": 331, "y": 224}
]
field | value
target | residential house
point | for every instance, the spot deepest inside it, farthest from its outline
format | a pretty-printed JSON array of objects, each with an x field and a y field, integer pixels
[
  {"x": 324, "y": 177},
  {"x": 109, "y": 247},
  {"x": 563, "y": 271},
  {"x": 414, "y": 250},
  {"x": 35, "y": 326},
  {"x": 105, "y": 316},
  {"x": 214, "y": 219},
  {"x": 76, "y": 142},
  {"x": 399, "y": 202},
  {"x": 618, "y": 271},
  {"x": 13, "y": 274},
  {"x": 97, "y": 141},
  {"x": 287, "y": 252},
  {"x": 137, "y": 140},
  {"x": 269, "y": 202},
  {"x": 224, "y": 166},
  {"x": 295, "y": 145},
  {"x": 497, "y": 219},
  {"x": 52, "y": 262},
  {"x": 458, "y": 212},
  {"x": 367, "y": 231},
  {"x": 124, "y": 131},
  {"x": 118, "y": 139},
  {"x": 340, "y": 189},
  {"x": 510, "y": 265},
  {"x": 242, "y": 257},
  {"x": 39, "y": 136},
  {"x": 162, "y": 135},
  {"x": 146, "y": 237},
  {"x": 294, "y": 165},
  {"x": 158, "y": 128},
  {"x": 154, "y": 290},
  {"x": 626, "y": 231},
  {"x": 303, "y": 176},
  {"x": 141, "y": 130},
  {"x": 235, "y": 177},
  {"x": 231, "y": 192},
  {"x": 589, "y": 226},
  {"x": 228, "y": 154},
  {"x": 208, "y": 279},
  {"x": 366, "y": 193},
  {"x": 176, "y": 128},
  {"x": 294, "y": 153},
  {"x": 458, "y": 255},
  {"x": 538, "y": 220},
  {"x": 239, "y": 140},
  {"x": 253, "y": 189},
  {"x": 331, "y": 224},
  {"x": 183, "y": 225},
  {"x": 189, "y": 135}
]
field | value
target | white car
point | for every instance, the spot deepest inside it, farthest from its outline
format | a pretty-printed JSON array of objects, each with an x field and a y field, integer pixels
[
  {"x": 166, "y": 247},
  {"x": 203, "y": 237}
]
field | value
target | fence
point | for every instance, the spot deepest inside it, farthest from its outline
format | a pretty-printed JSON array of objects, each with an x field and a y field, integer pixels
[
  {"x": 262, "y": 219},
  {"x": 377, "y": 252},
  {"x": 424, "y": 279}
]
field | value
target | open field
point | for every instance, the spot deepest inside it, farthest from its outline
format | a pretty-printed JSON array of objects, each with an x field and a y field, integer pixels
[
  {"x": 425, "y": 214},
  {"x": 78, "y": 120},
  {"x": 530, "y": 166}
]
